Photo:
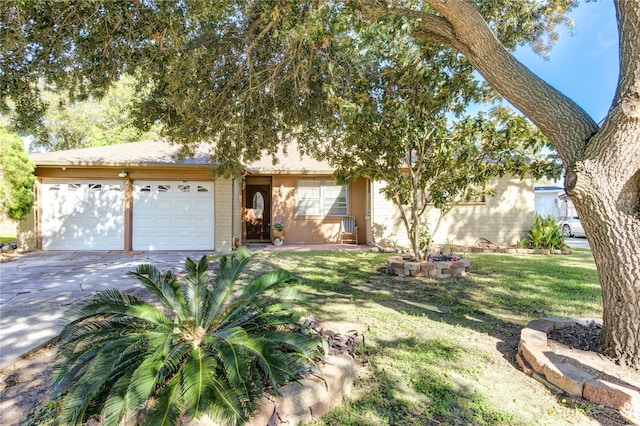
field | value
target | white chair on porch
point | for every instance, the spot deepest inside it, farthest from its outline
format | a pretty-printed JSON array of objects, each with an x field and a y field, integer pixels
[{"x": 349, "y": 230}]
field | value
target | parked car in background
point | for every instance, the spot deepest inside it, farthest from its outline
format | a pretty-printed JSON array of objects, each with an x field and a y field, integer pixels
[{"x": 572, "y": 227}]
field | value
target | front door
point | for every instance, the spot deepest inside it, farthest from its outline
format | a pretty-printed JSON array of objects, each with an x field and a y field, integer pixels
[{"x": 258, "y": 212}]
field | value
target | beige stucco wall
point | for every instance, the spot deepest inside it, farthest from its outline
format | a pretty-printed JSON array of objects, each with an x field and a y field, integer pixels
[
  {"x": 237, "y": 208},
  {"x": 26, "y": 228},
  {"x": 224, "y": 214},
  {"x": 314, "y": 229},
  {"x": 504, "y": 219}
]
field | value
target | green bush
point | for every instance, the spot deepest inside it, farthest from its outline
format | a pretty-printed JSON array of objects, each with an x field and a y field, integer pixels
[
  {"x": 546, "y": 234},
  {"x": 206, "y": 347}
]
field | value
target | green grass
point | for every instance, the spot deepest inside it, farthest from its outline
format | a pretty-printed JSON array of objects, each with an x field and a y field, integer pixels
[
  {"x": 440, "y": 352},
  {"x": 7, "y": 239},
  {"x": 429, "y": 343}
]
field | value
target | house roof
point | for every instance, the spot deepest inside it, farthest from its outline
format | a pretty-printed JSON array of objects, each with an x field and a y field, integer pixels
[
  {"x": 548, "y": 188},
  {"x": 291, "y": 163},
  {"x": 162, "y": 153},
  {"x": 128, "y": 154}
]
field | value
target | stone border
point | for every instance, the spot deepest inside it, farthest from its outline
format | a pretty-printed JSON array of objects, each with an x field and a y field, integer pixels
[
  {"x": 537, "y": 360},
  {"x": 509, "y": 250},
  {"x": 310, "y": 398},
  {"x": 478, "y": 249},
  {"x": 305, "y": 400},
  {"x": 396, "y": 265}
]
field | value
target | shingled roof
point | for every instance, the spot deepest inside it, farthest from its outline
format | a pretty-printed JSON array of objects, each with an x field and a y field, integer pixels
[
  {"x": 127, "y": 154},
  {"x": 162, "y": 153}
]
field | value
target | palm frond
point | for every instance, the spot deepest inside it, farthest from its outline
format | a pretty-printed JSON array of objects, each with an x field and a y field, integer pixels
[
  {"x": 266, "y": 282},
  {"x": 196, "y": 278},
  {"x": 115, "y": 406},
  {"x": 114, "y": 302},
  {"x": 194, "y": 379},
  {"x": 168, "y": 405},
  {"x": 164, "y": 286},
  {"x": 225, "y": 277},
  {"x": 87, "y": 388}
]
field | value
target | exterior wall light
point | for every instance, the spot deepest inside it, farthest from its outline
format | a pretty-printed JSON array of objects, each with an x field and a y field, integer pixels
[{"x": 123, "y": 174}]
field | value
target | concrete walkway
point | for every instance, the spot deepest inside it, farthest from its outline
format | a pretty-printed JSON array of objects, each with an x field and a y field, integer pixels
[{"x": 36, "y": 289}]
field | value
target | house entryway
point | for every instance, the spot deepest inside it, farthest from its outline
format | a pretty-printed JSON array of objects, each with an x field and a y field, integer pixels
[{"x": 257, "y": 212}]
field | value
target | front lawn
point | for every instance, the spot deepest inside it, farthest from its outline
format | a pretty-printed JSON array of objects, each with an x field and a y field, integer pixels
[{"x": 442, "y": 352}]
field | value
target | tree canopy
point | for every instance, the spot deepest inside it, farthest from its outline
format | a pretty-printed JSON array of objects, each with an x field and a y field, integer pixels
[
  {"x": 248, "y": 75},
  {"x": 87, "y": 122},
  {"x": 16, "y": 177}
]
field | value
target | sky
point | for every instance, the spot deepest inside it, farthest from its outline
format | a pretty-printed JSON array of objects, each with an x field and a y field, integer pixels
[{"x": 583, "y": 66}]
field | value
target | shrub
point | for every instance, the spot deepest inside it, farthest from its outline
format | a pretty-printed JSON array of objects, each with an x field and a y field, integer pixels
[
  {"x": 209, "y": 348},
  {"x": 546, "y": 234}
]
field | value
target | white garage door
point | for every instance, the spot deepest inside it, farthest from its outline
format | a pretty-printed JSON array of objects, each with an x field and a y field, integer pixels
[
  {"x": 173, "y": 216},
  {"x": 82, "y": 215}
]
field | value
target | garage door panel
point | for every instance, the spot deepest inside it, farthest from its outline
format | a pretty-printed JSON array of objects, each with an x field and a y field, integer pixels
[
  {"x": 82, "y": 215},
  {"x": 176, "y": 211}
]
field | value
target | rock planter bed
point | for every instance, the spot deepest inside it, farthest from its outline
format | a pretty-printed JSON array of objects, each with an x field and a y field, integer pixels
[
  {"x": 403, "y": 267},
  {"x": 576, "y": 372}
]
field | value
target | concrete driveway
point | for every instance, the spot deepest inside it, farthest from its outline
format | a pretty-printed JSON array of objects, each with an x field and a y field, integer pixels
[
  {"x": 577, "y": 242},
  {"x": 36, "y": 289}
]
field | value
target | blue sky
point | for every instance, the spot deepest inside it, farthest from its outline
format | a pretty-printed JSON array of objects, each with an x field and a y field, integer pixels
[{"x": 583, "y": 66}]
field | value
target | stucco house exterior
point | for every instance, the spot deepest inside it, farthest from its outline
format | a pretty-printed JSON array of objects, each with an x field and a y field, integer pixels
[{"x": 138, "y": 196}]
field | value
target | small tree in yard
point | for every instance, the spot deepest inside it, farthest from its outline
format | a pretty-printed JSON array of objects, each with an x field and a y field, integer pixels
[
  {"x": 16, "y": 177},
  {"x": 209, "y": 348},
  {"x": 399, "y": 110}
]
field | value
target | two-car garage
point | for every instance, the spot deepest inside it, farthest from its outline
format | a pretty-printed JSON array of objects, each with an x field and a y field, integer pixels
[{"x": 91, "y": 214}]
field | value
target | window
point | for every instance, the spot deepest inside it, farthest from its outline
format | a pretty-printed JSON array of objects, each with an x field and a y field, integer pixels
[
  {"x": 164, "y": 188},
  {"x": 72, "y": 187},
  {"x": 95, "y": 187},
  {"x": 184, "y": 188},
  {"x": 202, "y": 189},
  {"x": 321, "y": 197}
]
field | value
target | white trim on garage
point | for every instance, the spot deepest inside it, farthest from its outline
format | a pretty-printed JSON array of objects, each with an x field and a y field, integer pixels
[
  {"x": 82, "y": 214},
  {"x": 173, "y": 215}
]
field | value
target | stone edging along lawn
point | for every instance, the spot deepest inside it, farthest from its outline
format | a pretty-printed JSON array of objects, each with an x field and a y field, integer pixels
[
  {"x": 305, "y": 400},
  {"x": 571, "y": 373},
  {"x": 457, "y": 267}
]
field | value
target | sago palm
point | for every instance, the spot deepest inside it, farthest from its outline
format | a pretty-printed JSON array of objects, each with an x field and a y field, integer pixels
[{"x": 206, "y": 347}]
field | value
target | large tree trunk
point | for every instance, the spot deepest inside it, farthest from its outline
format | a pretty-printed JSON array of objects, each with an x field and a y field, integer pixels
[{"x": 603, "y": 164}]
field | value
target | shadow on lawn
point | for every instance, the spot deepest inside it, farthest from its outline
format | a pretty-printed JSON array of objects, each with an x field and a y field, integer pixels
[
  {"x": 428, "y": 398},
  {"x": 332, "y": 281}
]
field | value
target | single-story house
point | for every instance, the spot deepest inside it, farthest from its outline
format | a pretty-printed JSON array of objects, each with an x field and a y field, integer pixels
[{"x": 138, "y": 196}]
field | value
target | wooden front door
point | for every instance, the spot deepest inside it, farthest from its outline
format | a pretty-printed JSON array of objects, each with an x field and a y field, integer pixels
[{"x": 258, "y": 212}]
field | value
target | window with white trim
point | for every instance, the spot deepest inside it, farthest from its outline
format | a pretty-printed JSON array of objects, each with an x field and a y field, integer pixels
[{"x": 321, "y": 197}]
